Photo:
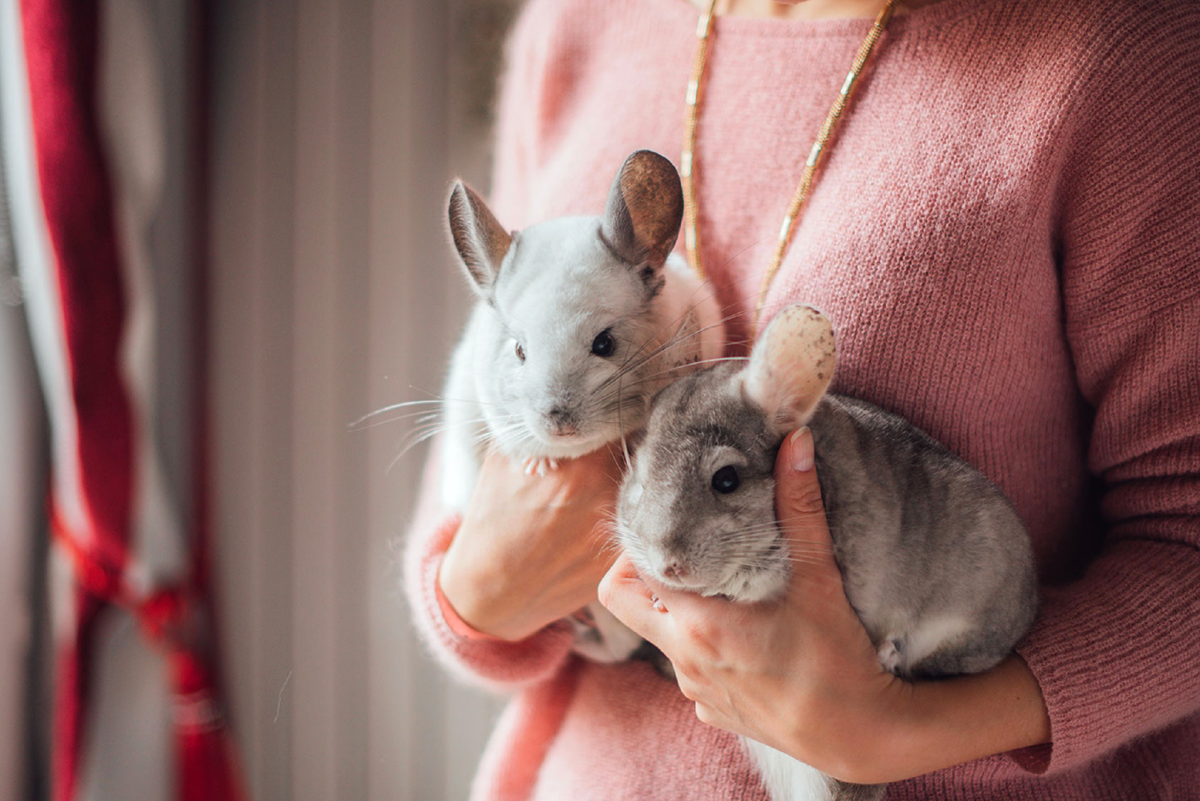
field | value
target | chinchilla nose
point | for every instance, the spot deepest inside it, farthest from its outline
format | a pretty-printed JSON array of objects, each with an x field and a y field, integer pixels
[
  {"x": 675, "y": 569},
  {"x": 561, "y": 421}
]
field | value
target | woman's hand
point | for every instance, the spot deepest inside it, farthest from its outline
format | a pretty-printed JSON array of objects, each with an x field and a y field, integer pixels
[
  {"x": 801, "y": 674},
  {"x": 531, "y": 549}
]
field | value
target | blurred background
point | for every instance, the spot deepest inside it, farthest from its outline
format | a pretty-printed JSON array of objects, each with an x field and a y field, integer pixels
[{"x": 269, "y": 177}]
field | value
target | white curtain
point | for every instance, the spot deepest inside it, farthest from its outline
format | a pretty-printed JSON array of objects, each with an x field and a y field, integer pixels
[
  {"x": 22, "y": 474},
  {"x": 22, "y": 485},
  {"x": 337, "y": 128}
]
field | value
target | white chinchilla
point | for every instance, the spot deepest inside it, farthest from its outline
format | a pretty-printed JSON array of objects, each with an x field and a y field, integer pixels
[{"x": 580, "y": 321}]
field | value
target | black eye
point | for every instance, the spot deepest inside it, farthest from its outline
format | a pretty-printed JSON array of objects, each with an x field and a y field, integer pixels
[
  {"x": 604, "y": 344},
  {"x": 726, "y": 479},
  {"x": 520, "y": 353}
]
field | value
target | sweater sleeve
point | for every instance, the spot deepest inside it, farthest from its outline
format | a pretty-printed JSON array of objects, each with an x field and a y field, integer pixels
[
  {"x": 1117, "y": 651},
  {"x": 490, "y": 662},
  {"x": 494, "y": 663},
  {"x": 520, "y": 115}
]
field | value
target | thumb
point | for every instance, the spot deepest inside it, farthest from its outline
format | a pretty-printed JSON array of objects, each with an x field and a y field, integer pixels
[{"x": 800, "y": 511}]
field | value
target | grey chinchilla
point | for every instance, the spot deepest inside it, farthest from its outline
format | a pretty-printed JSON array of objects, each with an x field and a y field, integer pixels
[{"x": 936, "y": 562}]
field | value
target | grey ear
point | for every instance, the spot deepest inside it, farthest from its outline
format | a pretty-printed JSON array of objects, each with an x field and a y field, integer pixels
[
  {"x": 645, "y": 208},
  {"x": 479, "y": 237},
  {"x": 790, "y": 367}
]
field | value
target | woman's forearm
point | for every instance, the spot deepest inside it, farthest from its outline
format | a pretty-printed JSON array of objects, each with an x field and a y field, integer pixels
[{"x": 947, "y": 722}]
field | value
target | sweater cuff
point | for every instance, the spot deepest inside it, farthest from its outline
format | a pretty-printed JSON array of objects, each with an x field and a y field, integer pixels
[
  {"x": 474, "y": 656},
  {"x": 451, "y": 617},
  {"x": 1113, "y": 653}
]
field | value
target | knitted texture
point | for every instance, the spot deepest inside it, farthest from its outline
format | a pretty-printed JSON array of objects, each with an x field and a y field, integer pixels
[{"x": 1006, "y": 235}]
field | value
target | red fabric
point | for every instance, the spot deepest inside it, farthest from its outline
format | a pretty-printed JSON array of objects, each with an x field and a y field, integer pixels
[
  {"x": 61, "y": 41},
  {"x": 71, "y": 696},
  {"x": 60, "y": 51},
  {"x": 204, "y": 749}
]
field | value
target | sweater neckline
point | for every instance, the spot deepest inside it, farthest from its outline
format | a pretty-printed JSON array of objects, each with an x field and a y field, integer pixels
[{"x": 926, "y": 18}]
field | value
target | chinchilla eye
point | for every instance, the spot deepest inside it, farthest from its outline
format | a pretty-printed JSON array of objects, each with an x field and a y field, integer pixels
[
  {"x": 604, "y": 344},
  {"x": 726, "y": 479},
  {"x": 520, "y": 353}
]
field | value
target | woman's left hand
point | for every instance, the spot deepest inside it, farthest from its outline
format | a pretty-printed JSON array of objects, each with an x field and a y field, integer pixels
[{"x": 801, "y": 675}]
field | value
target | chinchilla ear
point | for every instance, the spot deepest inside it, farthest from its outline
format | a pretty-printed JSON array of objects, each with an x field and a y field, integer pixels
[
  {"x": 791, "y": 366},
  {"x": 645, "y": 208},
  {"x": 479, "y": 237}
]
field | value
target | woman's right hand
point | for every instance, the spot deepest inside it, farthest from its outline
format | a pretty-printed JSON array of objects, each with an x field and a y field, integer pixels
[{"x": 532, "y": 549}]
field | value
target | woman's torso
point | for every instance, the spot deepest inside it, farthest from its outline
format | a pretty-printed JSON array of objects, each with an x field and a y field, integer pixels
[{"x": 931, "y": 240}]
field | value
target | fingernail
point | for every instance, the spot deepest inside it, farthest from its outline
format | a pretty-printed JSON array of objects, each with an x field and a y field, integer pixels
[{"x": 802, "y": 450}]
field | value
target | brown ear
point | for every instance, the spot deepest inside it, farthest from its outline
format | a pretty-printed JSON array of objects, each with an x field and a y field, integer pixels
[
  {"x": 645, "y": 208},
  {"x": 791, "y": 366},
  {"x": 478, "y": 236}
]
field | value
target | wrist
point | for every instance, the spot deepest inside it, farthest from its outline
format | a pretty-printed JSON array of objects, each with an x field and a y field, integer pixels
[
  {"x": 486, "y": 598},
  {"x": 946, "y": 722},
  {"x": 464, "y": 588},
  {"x": 454, "y": 621}
]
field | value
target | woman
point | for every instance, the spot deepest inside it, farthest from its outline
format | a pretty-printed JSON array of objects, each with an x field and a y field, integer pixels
[{"x": 1006, "y": 232}]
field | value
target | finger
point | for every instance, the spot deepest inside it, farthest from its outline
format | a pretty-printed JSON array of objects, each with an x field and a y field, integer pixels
[
  {"x": 714, "y": 717},
  {"x": 799, "y": 508},
  {"x": 677, "y": 621},
  {"x": 699, "y": 624},
  {"x": 623, "y": 593}
]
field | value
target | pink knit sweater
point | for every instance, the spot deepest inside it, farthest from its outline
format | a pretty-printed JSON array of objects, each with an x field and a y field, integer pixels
[{"x": 1007, "y": 236}]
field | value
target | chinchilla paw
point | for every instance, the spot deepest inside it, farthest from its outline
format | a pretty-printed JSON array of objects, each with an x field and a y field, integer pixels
[
  {"x": 891, "y": 655},
  {"x": 540, "y": 465}
]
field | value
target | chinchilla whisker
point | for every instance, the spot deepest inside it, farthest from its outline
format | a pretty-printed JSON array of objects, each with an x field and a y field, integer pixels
[
  {"x": 630, "y": 365},
  {"x": 769, "y": 553},
  {"x": 746, "y": 549},
  {"x": 619, "y": 394},
  {"x": 438, "y": 421},
  {"x": 435, "y": 398},
  {"x": 675, "y": 321},
  {"x": 607, "y": 509},
  {"x": 764, "y": 525},
  {"x": 754, "y": 537},
  {"x": 794, "y": 560},
  {"x": 603, "y": 533},
  {"x": 619, "y": 404},
  {"x": 617, "y": 480},
  {"x": 421, "y": 418},
  {"x": 355, "y": 425},
  {"x": 676, "y": 339},
  {"x": 746, "y": 533},
  {"x": 754, "y": 565},
  {"x": 433, "y": 401},
  {"x": 615, "y": 391},
  {"x": 481, "y": 437},
  {"x": 511, "y": 436},
  {"x": 690, "y": 366},
  {"x": 424, "y": 431},
  {"x": 762, "y": 528},
  {"x": 505, "y": 434},
  {"x": 612, "y": 545},
  {"x": 621, "y": 425}
]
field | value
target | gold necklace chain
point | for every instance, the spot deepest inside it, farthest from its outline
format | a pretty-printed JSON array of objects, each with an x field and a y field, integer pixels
[{"x": 691, "y": 238}]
